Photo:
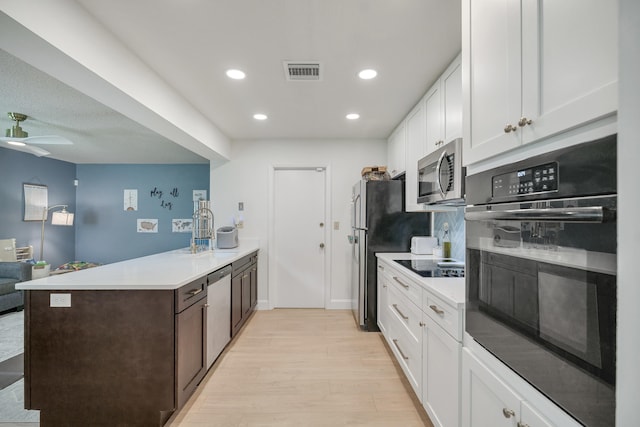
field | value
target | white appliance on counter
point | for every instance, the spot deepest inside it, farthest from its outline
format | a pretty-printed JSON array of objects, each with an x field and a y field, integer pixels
[
  {"x": 218, "y": 313},
  {"x": 423, "y": 245}
]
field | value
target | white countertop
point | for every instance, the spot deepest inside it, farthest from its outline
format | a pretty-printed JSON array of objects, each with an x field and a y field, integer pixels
[
  {"x": 163, "y": 271},
  {"x": 450, "y": 289}
]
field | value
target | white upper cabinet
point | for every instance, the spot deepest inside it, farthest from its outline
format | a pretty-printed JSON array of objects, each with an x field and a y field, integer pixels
[
  {"x": 396, "y": 150},
  {"x": 416, "y": 149},
  {"x": 451, "y": 88},
  {"x": 434, "y": 125},
  {"x": 535, "y": 68}
]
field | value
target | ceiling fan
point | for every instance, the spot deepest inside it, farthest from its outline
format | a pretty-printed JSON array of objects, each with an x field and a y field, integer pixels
[{"x": 18, "y": 139}]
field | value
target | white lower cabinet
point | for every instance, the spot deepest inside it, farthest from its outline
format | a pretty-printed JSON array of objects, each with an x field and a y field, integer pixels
[
  {"x": 425, "y": 349},
  {"x": 440, "y": 374},
  {"x": 487, "y": 401}
]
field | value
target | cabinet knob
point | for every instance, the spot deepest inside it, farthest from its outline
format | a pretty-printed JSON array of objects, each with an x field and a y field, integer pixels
[
  {"x": 423, "y": 324},
  {"x": 321, "y": 224},
  {"x": 510, "y": 128},
  {"x": 524, "y": 121},
  {"x": 508, "y": 413},
  {"x": 520, "y": 424},
  {"x": 321, "y": 245}
]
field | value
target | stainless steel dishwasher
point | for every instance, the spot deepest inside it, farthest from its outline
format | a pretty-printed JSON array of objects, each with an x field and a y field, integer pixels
[{"x": 218, "y": 312}]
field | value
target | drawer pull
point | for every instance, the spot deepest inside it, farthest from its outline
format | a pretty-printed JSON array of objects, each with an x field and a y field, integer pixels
[
  {"x": 380, "y": 268},
  {"x": 508, "y": 413},
  {"x": 195, "y": 292},
  {"x": 521, "y": 424},
  {"x": 395, "y": 342},
  {"x": 437, "y": 310},
  {"x": 398, "y": 280},
  {"x": 399, "y": 312}
]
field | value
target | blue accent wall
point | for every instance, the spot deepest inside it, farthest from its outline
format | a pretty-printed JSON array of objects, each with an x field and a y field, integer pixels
[
  {"x": 17, "y": 168},
  {"x": 107, "y": 233}
]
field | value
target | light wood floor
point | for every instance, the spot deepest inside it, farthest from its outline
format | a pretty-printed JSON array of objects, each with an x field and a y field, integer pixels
[{"x": 299, "y": 367}]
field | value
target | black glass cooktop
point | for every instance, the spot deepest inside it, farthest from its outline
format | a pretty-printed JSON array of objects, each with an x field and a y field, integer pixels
[{"x": 434, "y": 268}]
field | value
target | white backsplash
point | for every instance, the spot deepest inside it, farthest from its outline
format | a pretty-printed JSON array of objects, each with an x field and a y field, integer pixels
[{"x": 456, "y": 230}]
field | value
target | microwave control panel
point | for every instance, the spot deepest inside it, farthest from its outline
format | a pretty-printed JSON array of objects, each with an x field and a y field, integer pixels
[{"x": 535, "y": 180}]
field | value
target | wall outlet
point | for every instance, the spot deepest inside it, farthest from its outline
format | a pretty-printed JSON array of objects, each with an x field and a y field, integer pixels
[{"x": 59, "y": 300}]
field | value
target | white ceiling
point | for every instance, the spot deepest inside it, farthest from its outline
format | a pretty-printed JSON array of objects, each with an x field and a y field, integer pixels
[{"x": 190, "y": 44}]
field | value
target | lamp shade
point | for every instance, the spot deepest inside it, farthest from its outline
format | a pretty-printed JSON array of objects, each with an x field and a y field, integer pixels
[{"x": 62, "y": 218}]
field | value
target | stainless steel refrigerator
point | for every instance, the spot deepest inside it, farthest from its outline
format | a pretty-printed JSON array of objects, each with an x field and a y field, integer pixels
[{"x": 378, "y": 224}]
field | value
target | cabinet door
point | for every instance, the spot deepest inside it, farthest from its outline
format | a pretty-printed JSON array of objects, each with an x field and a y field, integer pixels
[
  {"x": 191, "y": 362},
  {"x": 486, "y": 400},
  {"x": 440, "y": 375},
  {"x": 383, "y": 289},
  {"x": 451, "y": 82},
  {"x": 253, "y": 274},
  {"x": 236, "y": 304},
  {"x": 415, "y": 150},
  {"x": 433, "y": 126},
  {"x": 396, "y": 151},
  {"x": 530, "y": 418},
  {"x": 570, "y": 64},
  {"x": 493, "y": 59},
  {"x": 246, "y": 293}
]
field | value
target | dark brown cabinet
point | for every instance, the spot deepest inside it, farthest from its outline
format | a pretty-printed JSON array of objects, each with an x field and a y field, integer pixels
[
  {"x": 244, "y": 290},
  {"x": 114, "y": 357},
  {"x": 191, "y": 336}
]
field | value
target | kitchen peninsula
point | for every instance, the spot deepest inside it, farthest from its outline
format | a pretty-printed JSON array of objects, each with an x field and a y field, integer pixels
[{"x": 123, "y": 343}]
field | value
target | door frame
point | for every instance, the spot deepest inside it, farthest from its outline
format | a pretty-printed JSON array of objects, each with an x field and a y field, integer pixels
[{"x": 271, "y": 288}]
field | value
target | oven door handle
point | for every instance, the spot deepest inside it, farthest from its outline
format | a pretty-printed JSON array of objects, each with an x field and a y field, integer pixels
[
  {"x": 591, "y": 214},
  {"x": 438, "y": 167}
]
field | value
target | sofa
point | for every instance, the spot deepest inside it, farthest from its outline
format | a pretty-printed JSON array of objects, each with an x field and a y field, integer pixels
[{"x": 10, "y": 274}]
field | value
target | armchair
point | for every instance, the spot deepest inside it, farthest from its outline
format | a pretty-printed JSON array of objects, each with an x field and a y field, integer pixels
[{"x": 10, "y": 274}]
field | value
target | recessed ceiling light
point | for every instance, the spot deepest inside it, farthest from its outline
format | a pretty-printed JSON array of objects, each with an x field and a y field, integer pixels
[
  {"x": 18, "y": 143},
  {"x": 353, "y": 116},
  {"x": 367, "y": 74},
  {"x": 236, "y": 74},
  {"x": 260, "y": 116}
]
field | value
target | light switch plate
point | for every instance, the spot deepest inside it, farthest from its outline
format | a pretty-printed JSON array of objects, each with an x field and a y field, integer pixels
[{"x": 59, "y": 300}]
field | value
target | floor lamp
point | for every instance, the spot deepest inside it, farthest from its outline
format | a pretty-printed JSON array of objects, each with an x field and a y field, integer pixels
[{"x": 61, "y": 217}]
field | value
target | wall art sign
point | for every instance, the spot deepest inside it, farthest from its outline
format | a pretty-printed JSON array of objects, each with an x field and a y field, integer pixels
[
  {"x": 199, "y": 195},
  {"x": 182, "y": 225},
  {"x": 148, "y": 225},
  {"x": 130, "y": 200},
  {"x": 35, "y": 201}
]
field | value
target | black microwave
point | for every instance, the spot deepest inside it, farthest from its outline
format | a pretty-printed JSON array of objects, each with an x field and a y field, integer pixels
[{"x": 441, "y": 175}]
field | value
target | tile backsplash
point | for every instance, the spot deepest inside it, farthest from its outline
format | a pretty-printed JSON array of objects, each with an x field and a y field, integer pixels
[{"x": 456, "y": 230}]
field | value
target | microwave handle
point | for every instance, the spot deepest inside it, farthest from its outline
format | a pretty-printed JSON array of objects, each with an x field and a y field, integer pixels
[
  {"x": 591, "y": 214},
  {"x": 438, "y": 182}
]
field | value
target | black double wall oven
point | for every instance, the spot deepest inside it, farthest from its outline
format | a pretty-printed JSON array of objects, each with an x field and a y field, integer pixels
[{"x": 541, "y": 253}]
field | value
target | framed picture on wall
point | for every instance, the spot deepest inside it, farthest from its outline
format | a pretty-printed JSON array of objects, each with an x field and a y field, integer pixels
[{"x": 35, "y": 201}]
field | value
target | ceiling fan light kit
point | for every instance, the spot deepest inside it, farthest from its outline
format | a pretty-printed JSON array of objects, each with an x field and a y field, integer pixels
[
  {"x": 17, "y": 137},
  {"x": 16, "y": 131}
]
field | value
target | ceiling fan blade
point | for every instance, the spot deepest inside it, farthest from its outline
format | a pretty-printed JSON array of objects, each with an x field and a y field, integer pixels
[
  {"x": 47, "y": 140},
  {"x": 31, "y": 149}
]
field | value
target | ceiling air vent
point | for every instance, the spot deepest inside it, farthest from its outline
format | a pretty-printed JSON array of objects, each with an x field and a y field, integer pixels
[{"x": 302, "y": 71}]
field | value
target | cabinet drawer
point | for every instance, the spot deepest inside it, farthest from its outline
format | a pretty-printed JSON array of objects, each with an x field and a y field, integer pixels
[
  {"x": 406, "y": 286},
  {"x": 408, "y": 352},
  {"x": 405, "y": 313},
  {"x": 190, "y": 293},
  {"x": 443, "y": 314}
]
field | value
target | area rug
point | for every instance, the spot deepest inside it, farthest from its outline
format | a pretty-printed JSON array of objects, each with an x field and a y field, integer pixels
[{"x": 11, "y": 370}]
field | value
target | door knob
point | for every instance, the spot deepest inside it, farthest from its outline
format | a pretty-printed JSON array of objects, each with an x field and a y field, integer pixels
[{"x": 321, "y": 245}]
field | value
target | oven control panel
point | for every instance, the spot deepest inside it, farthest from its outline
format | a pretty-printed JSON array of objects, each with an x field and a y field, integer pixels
[{"x": 538, "y": 179}]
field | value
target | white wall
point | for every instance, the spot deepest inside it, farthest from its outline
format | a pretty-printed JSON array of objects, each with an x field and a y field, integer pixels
[
  {"x": 628, "y": 363},
  {"x": 245, "y": 179}
]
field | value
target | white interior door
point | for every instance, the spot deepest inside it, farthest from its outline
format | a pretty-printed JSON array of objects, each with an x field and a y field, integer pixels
[{"x": 299, "y": 238}]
